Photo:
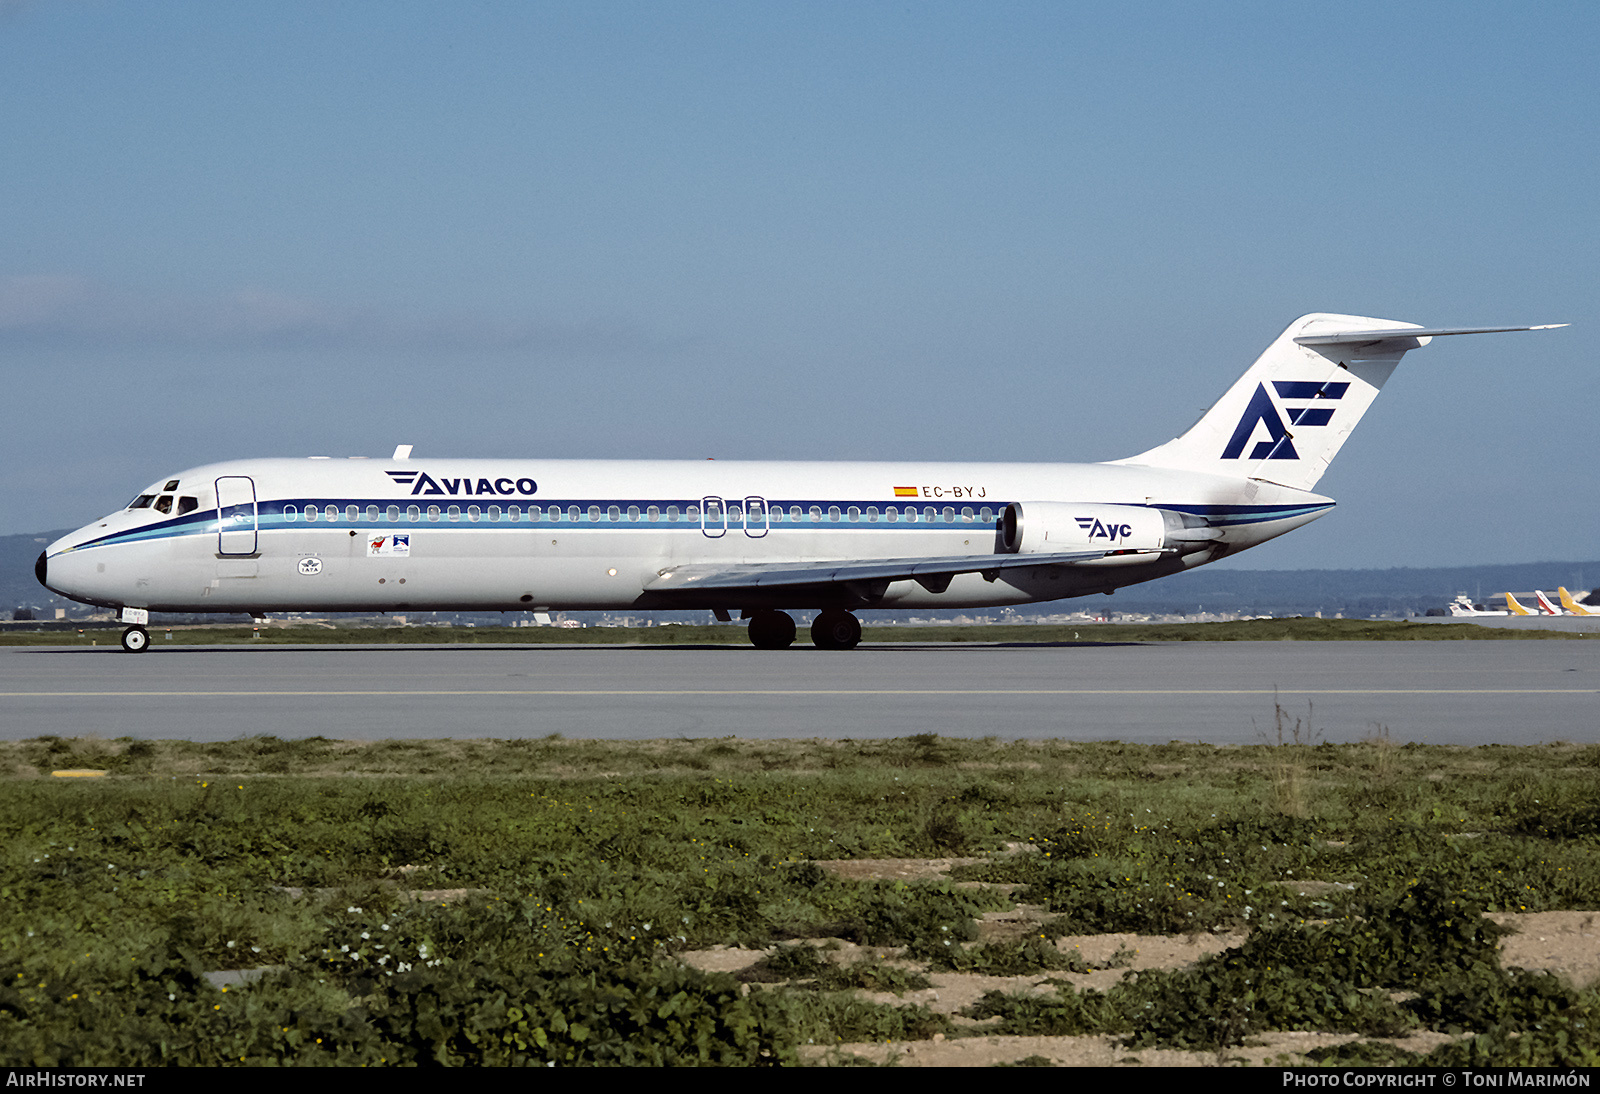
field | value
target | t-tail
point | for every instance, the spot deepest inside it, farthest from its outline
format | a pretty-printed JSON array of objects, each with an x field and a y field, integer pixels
[{"x": 1286, "y": 418}]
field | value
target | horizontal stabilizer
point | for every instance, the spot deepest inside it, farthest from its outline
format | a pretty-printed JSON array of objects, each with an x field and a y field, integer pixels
[{"x": 1362, "y": 337}]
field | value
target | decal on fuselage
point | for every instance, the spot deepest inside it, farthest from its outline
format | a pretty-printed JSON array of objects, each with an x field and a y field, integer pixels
[{"x": 395, "y": 546}]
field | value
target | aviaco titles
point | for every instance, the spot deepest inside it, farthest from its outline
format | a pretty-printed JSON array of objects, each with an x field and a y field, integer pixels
[{"x": 761, "y": 539}]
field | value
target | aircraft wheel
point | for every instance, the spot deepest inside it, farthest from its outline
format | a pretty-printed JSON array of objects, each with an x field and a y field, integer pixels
[
  {"x": 135, "y": 639},
  {"x": 771, "y": 630},
  {"x": 835, "y": 630}
]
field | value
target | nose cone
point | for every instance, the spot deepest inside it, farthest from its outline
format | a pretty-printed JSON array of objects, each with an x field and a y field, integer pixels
[{"x": 69, "y": 572}]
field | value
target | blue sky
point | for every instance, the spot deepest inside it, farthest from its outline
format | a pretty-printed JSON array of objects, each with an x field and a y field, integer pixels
[{"x": 967, "y": 231}]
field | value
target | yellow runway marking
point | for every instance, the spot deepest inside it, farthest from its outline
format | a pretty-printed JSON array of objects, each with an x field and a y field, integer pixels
[{"x": 280, "y": 693}]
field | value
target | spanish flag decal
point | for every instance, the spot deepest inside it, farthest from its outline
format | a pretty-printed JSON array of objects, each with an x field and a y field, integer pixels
[{"x": 905, "y": 491}]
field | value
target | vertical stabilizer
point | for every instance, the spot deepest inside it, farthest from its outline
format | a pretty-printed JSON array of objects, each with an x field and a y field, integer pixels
[
  {"x": 1572, "y": 605},
  {"x": 1288, "y": 416}
]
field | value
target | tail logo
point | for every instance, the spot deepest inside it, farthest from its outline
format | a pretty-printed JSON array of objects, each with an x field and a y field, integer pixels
[{"x": 1279, "y": 444}]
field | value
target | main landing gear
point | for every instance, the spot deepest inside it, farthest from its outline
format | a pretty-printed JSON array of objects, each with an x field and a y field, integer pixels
[
  {"x": 834, "y": 629},
  {"x": 135, "y": 639},
  {"x": 771, "y": 630}
]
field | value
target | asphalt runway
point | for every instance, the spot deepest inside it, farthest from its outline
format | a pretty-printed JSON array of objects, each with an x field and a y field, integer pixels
[{"x": 1466, "y": 693}]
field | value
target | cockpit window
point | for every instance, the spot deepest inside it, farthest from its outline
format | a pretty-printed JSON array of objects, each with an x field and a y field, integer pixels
[
  {"x": 187, "y": 505},
  {"x": 172, "y": 484},
  {"x": 164, "y": 503},
  {"x": 142, "y": 501}
]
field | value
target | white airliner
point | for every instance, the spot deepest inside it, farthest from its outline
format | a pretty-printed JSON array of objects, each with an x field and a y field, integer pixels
[
  {"x": 761, "y": 539},
  {"x": 1462, "y": 606}
]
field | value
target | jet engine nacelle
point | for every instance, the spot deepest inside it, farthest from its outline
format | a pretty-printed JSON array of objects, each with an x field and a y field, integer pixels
[{"x": 1129, "y": 534}]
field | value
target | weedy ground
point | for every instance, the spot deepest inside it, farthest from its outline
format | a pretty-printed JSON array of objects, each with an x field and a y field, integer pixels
[{"x": 757, "y": 902}]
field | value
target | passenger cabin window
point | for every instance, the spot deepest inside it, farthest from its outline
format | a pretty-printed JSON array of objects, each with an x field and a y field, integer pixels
[
  {"x": 372, "y": 512},
  {"x": 352, "y": 513},
  {"x": 311, "y": 512},
  {"x": 413, "y": 513},
  {"x": 393, "y": 512},
  {"x": 331, "y": 512}
]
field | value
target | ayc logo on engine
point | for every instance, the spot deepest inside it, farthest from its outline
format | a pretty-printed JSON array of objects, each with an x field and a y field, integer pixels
[
  {"x": 1279, "y": 444},
  {"x": 1097, "y": 530}
]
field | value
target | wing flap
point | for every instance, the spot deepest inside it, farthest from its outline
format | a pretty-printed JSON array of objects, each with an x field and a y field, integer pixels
[{"x": 759, "y": 575}]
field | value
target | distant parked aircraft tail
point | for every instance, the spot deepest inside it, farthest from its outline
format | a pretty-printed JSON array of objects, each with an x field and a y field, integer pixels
[
  {"x": 1516, "y": 609},
  {"x": 1572, "y": 605}
]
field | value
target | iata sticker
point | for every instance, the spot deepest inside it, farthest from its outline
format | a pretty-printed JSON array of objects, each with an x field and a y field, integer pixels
[
  {"x": 389, "y": 546},
  {"x": 309, "y": 566}
]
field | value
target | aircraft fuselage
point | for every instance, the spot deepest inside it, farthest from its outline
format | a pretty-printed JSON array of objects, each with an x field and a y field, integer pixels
[{"x": 498, "y": 535}]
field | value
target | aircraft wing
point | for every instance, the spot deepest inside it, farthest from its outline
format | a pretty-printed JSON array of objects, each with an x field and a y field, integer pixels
[{"x": 766, "y": 575}]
